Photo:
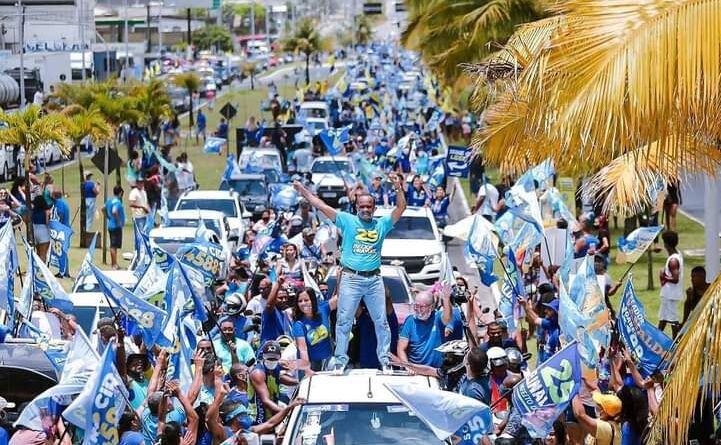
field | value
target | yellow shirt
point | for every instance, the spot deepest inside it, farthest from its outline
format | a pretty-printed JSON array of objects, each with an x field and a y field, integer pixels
[{"x": 607, "y": 433}]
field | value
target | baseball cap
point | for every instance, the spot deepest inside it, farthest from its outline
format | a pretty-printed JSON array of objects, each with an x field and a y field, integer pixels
[
  {"x": 271, "y": 349},
  {"x": 610, "y": 403},
  {"x": 88, "y": 174},
  {"x": 239, "y": 410},
  {"x": 553, "y": 304},
  {"x": 143, "y": 357},
  {"x": 308, "y": 231},
  {"x": 497, "y": 356}
]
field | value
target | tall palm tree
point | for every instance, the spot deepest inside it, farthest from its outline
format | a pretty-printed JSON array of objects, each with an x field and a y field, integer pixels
[
  {"x": 117, "y": 109},
  {"x": 247, "y": 69},
  {"x": 191, "y": 83},
  {"x": 30, "y": 129},
  {"x": 81, "y": 124},
  {"x": 306, "y": 40}
]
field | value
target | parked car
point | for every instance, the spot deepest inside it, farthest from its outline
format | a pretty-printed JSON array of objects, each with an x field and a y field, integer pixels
[
  {"x": 179, "y": 99},
  {"x": 253, "y": 191}
]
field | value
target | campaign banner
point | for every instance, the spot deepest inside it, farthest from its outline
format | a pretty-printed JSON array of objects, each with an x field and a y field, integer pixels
[
  {"x": 205, "y": 258},
  {"x": 635, "y": 244},
  {"x": 646, "y": 343},
  {"x": 214, "y": 145},
  {"x": 458, "y": 161},
  {"x": 547, "y": 390},
  {"x": 60, "y": 235}
]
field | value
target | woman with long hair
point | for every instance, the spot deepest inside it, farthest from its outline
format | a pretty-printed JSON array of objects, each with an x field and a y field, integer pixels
[{"x": 311, "y": 328}]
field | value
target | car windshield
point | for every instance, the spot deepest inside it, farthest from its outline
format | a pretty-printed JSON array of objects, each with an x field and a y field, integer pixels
[
  {"x": 225, "y": 206},
  {"x": 360, "y": 424},
  {"x": 246, "y": 187},
  {"x": 86, "y": 315},
  {"x": 412, "y": 227},
  {"x": 317, "y": 125},
  {"x": 255, "y": 159},
  {"x": 182, "y": 222},
  {"x": 330, "y": 166},
  {"x": 399, "y": 293}
]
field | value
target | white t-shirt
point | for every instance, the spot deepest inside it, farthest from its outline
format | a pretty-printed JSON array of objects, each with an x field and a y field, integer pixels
[
  {"x": 38, "y": 98},
  {"x": 138, "y": 197},
  {"x": 257, "y": 304},
  {"x": 184, "y": 176},
  {"x": 673, "y": 291},
  {"x": 490, "y": 201}
]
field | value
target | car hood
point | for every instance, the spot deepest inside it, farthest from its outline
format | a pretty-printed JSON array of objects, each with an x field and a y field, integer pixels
[
  {"x": 399, "y": 248},
  {"x": 326, "y": 179}
]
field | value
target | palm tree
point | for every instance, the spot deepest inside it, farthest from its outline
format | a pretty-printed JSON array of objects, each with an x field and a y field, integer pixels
[
  {"x": 117, "y": 109},
  {"x": 306, "y": 40},
  {"x": 191, "y": 82},
  {"x": 247, "y": 69},
  {"x": 450, "y": 32},
  {"x": 363, "y": 30},
  {"x": 152, "y": 104},
  {"x": 82, "y": 124},
  {"x": 30, "y": 129}
]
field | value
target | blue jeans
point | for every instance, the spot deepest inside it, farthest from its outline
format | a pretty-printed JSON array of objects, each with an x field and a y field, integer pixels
[{"x": 352, "y": 289}]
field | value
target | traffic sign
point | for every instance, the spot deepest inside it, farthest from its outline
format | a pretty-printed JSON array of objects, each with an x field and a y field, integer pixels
[
  {"x": 113, "y": 160},
  {"x": 373, "y": 8},
  {"x": 228, "y": 111}
]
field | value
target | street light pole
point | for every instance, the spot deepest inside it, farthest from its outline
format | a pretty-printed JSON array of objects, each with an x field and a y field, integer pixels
[
  {"x": 21, "y": 19},
  {"x": 160, "y": 30},
  {"x": 127, "y": 45},
  {"x": 81, "y": 32}
]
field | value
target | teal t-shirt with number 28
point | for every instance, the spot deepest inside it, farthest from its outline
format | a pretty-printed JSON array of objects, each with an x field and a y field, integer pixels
[{"x": 362, "y": 241}]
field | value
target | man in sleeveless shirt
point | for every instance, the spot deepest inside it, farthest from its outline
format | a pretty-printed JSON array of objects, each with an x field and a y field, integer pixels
[{"x": 672, "y": 291}]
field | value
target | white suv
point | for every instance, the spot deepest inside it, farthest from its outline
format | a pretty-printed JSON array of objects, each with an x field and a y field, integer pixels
[
  {"x": 227, "y": 202},
  {"x": 356, "y": 408},
  {"x": 414, "y": 243}
]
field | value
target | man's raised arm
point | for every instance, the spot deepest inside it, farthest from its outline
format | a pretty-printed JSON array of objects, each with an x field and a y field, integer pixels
[{"x": 315, "y": 201}]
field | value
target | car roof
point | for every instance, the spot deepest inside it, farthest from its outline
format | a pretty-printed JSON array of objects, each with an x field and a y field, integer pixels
[
  {"x": 193, "y": 214},
  {"x": 357, "y": 386},
  {"x": 210, "y": 194},
  {"x": 119, "y": 276},
  {"x": 314, "y": 104},
  {"x": 187, "y": 232},
  {"x": 411, "y": 211},
  {"x": 316, "y": 119},
  {"x": 248, "y": 176},
  {"x": 264, "y": 150}
]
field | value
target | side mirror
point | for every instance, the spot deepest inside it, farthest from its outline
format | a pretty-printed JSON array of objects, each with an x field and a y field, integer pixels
[{"x": 246, "y": 215}]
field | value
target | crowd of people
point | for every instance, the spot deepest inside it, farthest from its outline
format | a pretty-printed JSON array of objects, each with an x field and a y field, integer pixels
[{"x": 303, "y": 294}]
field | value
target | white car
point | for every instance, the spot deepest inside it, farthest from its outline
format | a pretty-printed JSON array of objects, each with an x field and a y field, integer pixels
[
  {"x": 182, "y": 227},
  {"x": 315, "y": 125},
  {"x": 357, "y": 408},
  {"x": 317, "y": 109},
  {"x": 49, "y": 153},
  {"x": 414, "y": 243},
  {"x": 227, "y": 202},
  {"x": 90, "y": 302},
  {"x": 330, "y": 185},
  {"x": 265, "y": 158}
]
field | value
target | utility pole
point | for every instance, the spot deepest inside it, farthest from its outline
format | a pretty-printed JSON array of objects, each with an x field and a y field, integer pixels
[
  {"x": 252, "y": 19},
  {"x": 81, "y": 34},
  {"x": 147, "y": 25},
  {"x": 127, "y": 45},
  {"x": 160, "y": 30},
  {"x": 21, "y": 19},
  {"x": 267, "y": 24}
]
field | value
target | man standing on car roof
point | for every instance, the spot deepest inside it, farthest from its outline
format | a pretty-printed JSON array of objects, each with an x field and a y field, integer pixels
[{"x": 361, "y": 262}]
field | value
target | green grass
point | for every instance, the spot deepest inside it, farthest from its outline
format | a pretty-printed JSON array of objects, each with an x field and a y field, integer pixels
[
  {"x": 208, "y": 169},
  {"x": 691, "y": 236}
]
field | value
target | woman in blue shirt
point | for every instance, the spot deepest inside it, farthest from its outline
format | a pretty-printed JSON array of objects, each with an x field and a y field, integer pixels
[
  {"x": 417, "y": 195},
  {"x": 311, "y": 328},
  {"x": 439, "y": 206}
]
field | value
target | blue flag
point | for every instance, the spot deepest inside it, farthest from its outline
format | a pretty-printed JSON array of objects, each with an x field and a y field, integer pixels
[
  {"x": 97, "y": 409},
  {"x": 205, "y": 257},
  {"x": 9, "y": 260},
  {"x": 635, "y": 244},
  {"x": 181, "y": 358},
  {"x": 558, "y": 206},
  {"x": 214, "y": 145},
  {"x": 547, "y": 390},
  {"x": 526, "y": 238},
  {"x": 481, "y": 251},
  {"x": 47, "y": 286},
  {"x": 185, "y": 284},
  {"x": 446, "y": 273},
  {"x": 446, "y": 413},
  {"x": 438, "y": 175},
  {"x": 149, "y": 318},
  {"x": 505, "y": 227},
  {"x": 523, "y": 204},
  {"x": 143, "y": 252},
  {"x": 511, "y": 289},
  {"x": 60, "y": 235},
  {"x": 334, "y": 138},
  {"x": 646, "y": 343},
  {"x": 283, "y": 196},
  {"x": 231, "y": 168}
]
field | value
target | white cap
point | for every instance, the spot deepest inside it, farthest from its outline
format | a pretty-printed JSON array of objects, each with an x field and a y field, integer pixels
[{"x": 496, "y": 356}]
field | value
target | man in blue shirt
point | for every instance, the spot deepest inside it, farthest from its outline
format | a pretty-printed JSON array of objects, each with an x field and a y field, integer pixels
[
  {"x": 61, "y": 209},
  {"x": 423, "y": 331},
  {"x": 222, "y": 131},
  {"x": 360, "y": 259},
  {"x": 91, "y": 190},
  {"x": 116, "y": 220},
  {"x": 377, "y": 191},
  {"x": 201, "y": 125},
  {"x": 549, "y": 323}
]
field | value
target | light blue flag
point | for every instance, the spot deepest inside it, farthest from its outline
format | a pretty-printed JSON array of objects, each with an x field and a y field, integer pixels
[
  {"x": 646, "y": 343},
  {"x": 480, "y": 250},
  {"x": 214, "y": 145},
  {"x": 511, "y": 289},
  {"x": 523, "y": 204},
  {"x": 558, "y": 207},
  {"x": 231, "y": 168},
  {"x": 446, "y": 273},
  {"x": 44, "y": 410},
  {"x": 543, "y": 173},
  {"x": 143, "y": 252},
  {"x": 205, "y": 257},
  {"x": 636, "y": 243},
  {"x": 60, "y": 236},
  {"x": 181, "y": 358},
  {"x": 334, "y": 138},
  {"x": 151, "y": 286},
  {"x": 47, "y": 286},
  {"x": 565, "y": 269},
  {"x": 150, "y": 319},
  {"x": 546, "y": 391},
  {"x": 526, "y": 239},
  {"x": 438, "y": 175},
  {"x": 9, "y": 260},
  {"x": 97, "y": 409},
  {"x": 87, "y": 261},
  {"x": 505, "y": 227},
  {"x": 150, "y": 221},
  {"x": 283, "y": 196},
  {"x": 584, "y": 315},
  {"x": 446, "y": 413},
  {"x": 184, "y": 285}
]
